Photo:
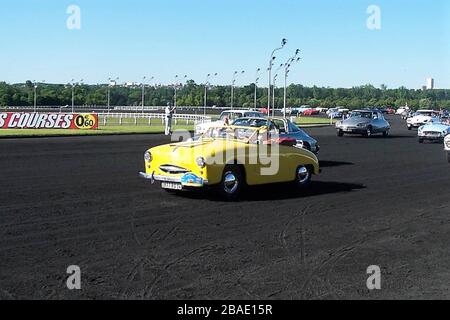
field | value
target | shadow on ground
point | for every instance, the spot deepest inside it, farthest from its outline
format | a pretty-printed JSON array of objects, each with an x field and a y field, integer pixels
[
  {"x": 379, "y": 136},
  {"x": 329, "y": 164},
  {"x": 280, "y": 191}
]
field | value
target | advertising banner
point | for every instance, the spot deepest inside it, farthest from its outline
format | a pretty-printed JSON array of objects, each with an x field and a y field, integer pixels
[{"x": 30, "y": 120}]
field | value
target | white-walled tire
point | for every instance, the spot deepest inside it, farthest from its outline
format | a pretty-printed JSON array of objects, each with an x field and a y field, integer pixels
[
  {"x": 232, "y": 182},
  {"x": 303, "y": 176}
]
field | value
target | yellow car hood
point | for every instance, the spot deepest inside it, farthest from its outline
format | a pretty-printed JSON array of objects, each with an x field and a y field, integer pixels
[{"x": 185, "y": 153}]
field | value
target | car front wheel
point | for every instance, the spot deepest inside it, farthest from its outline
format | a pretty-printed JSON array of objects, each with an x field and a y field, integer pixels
[
  {"x": 448, "y": 157},
  {"x": 340, "y": 133},
  {"x": 232, "y": 182},
  {"x": 303, "y": 176}
]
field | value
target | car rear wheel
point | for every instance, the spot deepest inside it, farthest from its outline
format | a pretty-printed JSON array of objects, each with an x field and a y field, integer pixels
[
  {"x": 232, "y": 182},
  {"x": 303, "y": 176}
]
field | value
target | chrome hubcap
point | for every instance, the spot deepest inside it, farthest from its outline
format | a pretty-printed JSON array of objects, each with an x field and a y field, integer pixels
[
  {"x": 230, "y": 183},
  {"x": 302, "y": 175}
]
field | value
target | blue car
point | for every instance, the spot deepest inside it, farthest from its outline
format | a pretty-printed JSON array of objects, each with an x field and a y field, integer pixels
[
  {"x": 285, "y": 129},
  {"x": 436, "y": 130}
]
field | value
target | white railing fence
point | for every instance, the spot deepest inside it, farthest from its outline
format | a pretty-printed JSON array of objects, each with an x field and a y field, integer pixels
[{"x": 148, "y": 119}]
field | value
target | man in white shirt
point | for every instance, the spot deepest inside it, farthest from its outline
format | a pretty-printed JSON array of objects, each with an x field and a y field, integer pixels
[{"x": 169, "y": 112}]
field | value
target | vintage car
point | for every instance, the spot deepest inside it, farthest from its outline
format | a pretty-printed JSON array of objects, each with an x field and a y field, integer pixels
[
  {"x": 435, "y": 130},
  {"x": 229, "y": 158},
  {"x": 447, "y": 146},
  {"x": 364, "y": 122},
  {"x": 420, "y": 118},
  {"x": 284, "y": 128},
  {"x": 401, "y": 110},
  {"x": 228, "y": 115}
]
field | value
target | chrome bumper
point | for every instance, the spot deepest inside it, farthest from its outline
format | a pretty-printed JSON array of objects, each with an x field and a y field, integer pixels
[
  {"x": 184, "y": 180},
  {"x": 430, "y": 137}
]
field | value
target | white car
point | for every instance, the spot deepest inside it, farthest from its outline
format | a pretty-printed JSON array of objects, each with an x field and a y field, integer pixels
[
  {"x": 447, "y": 146},
  {"x": 401, "y": 110},
  {"x": 231, "y": 115},
  {"x": 435, "y": 130},
  {"x": 322, "y": 110},
  {"x": 420, "y": 118},
  {"x": 332, "y": 110},
  {"x": 299, "y": 110}
]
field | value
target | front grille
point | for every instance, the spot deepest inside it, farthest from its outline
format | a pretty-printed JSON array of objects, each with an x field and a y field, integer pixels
[{"x": 173, "y": 169}]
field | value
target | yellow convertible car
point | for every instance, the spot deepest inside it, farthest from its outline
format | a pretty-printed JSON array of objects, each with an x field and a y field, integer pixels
[{"x": 230, "y": 158}]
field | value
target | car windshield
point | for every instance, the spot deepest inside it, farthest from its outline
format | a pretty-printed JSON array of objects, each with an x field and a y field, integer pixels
[
  {"x": 294, "y": 128},
  {"x": 361, "y": 114},
  {"x": 425, "y": 113},
  {"x": 231, "y": 133},
  {"x": 256, "y": 123}
]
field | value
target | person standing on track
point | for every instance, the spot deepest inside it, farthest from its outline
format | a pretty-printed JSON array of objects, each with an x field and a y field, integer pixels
[{"x": 169, "y": 113}]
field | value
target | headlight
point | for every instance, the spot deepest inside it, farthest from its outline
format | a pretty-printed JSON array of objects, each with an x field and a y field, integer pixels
[
  {"x": 447, "y": 143},
  {"x": 201, "y": 162},
  {"x": 148, "y": 156}
]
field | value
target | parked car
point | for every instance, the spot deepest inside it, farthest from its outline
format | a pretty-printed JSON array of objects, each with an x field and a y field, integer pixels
[
  {"x": 336, "y": 115},
  {"x": 284, "y": 128},
  {"x": 299, "y": 111},
  {"x": 407, "y": 114},
  {"x": 447, "y": 146},
  {"x": 420, "y": 118},
  {"x": 310, "y": 112},
  {"x": 401, "y": 110},
  {"x": 231, "y": 115},
  {"x": 390, "y": 110},
  {"x": 331, "y": 110},
  {"x": 364, "y": 122},
  {"x": 264, "y": 110},
  {"x": 207, "y": 162},
  {"x": 435, "y": 130}
]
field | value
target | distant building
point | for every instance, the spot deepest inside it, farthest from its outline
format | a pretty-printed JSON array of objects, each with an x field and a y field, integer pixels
[
  {"x": 112, "y": 83},
  {"x": 430, "y": 84}
]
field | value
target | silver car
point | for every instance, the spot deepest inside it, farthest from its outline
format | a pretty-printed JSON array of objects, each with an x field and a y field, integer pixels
[
  {"x": 364, "y": 122},
  {"x": 285, "y": 128}
]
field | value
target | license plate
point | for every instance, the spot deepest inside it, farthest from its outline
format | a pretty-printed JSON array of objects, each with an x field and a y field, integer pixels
[{"x": 171, "y": 186}]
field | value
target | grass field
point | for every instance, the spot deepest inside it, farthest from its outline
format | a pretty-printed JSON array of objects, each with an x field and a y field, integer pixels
[
  {"x": 127, "y": 127},
  {"x": 313, "y": 120}
]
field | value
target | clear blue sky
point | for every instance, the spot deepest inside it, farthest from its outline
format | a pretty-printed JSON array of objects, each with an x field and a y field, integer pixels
[{"x": 129, "y": 39}]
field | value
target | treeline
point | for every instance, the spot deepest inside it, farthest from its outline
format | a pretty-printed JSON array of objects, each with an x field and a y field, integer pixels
[{"x": 192, "y": 94}]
